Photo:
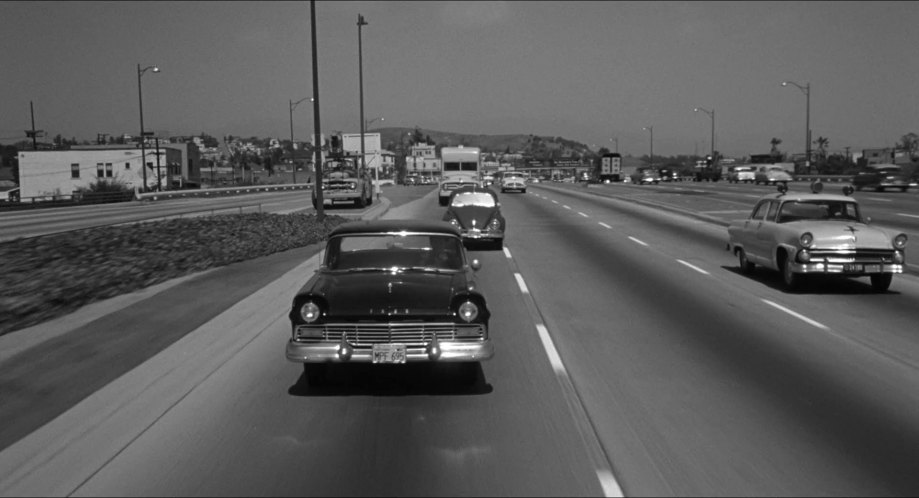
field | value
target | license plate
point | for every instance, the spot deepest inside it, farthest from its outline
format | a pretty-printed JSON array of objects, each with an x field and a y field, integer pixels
[
  {"x": 389, "y": 353},
  {"x": 872, "y": 268},
  {"x": 853, "y": 268}
]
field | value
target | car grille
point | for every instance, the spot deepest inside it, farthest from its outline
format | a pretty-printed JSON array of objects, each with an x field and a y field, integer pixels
[
  {"x": 367, "y": 334},
  {"x": 857, "y": 256}
]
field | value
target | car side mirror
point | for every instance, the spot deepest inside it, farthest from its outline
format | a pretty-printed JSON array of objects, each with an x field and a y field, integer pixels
[{"x": 476, "y": 265}]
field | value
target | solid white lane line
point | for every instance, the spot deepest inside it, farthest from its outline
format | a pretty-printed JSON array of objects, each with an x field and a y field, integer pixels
[
  {"x": 637, "y": 241},
  {"x": 796, "y": 315},
  {"x": 604, "y": 225},
  {"x": 521, "y": 283},
  {"x": 694, "y": 267}
]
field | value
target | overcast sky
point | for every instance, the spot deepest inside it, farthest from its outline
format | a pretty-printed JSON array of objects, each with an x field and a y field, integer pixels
[{"x": 586, "y": 71}]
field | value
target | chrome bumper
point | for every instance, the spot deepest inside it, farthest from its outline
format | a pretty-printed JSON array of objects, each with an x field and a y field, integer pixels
[
  {"x": 482, "y": 234},
  {"x": 839, "y": 268},
  {"x": 321, "y": 352}
]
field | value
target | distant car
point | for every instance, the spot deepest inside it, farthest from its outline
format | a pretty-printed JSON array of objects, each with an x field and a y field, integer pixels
[
  {"x": 771, "y": 175},
  {"x": 742, "y": 174},
  {"x": 344, "y": 183},
  {"x": 13, "y": 195},
  {"x": 646, "y": 176},
  {"x": 800, "y": 234},
  {"x": 391, "y": 292},
  {"x": 512, "y": 182},
  {"x": 411, "y": 180},
  {"x": 476, "y": 213},
  {"x": 881, "y": 177},
  {"x": 669, "y": 175}
]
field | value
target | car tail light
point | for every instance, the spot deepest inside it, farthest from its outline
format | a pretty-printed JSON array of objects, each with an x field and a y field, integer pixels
[
  {"x": 467, "y": 311},
  {"x": 900, "y": 241}
]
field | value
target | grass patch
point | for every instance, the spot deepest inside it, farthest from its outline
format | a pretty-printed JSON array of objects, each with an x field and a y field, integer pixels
[{"x": 45, "y": 277}]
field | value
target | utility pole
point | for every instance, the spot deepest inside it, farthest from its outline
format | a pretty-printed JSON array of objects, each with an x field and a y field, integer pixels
[
  {"x": 320, "y": 209},
  {"x": 33, "y": 133}
]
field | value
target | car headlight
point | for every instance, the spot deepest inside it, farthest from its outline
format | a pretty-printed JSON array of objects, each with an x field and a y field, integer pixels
[
  {"x": 806, "y": 239},
  {"x": 468, "y": 311},
  {"x": 900, "y": 241},
  {"x": 310, "y": 312},
  {"x": 495, "y": 224}
]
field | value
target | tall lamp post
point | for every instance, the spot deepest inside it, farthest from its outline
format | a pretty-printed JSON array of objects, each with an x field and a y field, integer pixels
[
  {"x": 711, "y": 114},
  {"x": 651, "y": 158},
  {"x": 293, "y": 105},
  {"x": 140, "y": 98},
  {"x": 360, "y": 68},
  {"x": 807, "y": 124}
]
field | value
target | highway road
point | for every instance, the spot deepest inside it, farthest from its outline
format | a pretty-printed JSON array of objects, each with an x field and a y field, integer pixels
[{"x": 632, "y": 359}]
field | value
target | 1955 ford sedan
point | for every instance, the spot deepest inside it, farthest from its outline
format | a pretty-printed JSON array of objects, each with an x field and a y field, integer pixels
[
  {"x": 803, "y": 234},
  {"x": 391, "y": 292}
]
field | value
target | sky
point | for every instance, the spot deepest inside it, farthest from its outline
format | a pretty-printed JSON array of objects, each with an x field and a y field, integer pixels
[{"x": 613, "y": 74}]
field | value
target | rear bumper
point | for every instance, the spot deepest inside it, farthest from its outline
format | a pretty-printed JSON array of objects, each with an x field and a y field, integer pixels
[{"x": 445, "y": 351}]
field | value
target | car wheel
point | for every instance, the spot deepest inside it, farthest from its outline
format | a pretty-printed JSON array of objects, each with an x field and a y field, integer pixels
[
  {"x": 316, "y": 373},
  {"x": 791, "y": 279},
  {"x": 746, "y": 267},
  {"x": 881, "y": 282}
]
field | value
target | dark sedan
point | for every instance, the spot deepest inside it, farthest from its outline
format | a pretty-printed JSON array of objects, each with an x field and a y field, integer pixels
[
  {"x": 881, "y": 177},
  {"x": 391, "y": 292},
  {"x": 476, "y": 212}
]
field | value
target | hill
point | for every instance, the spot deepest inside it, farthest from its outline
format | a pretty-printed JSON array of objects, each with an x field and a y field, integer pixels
[{"x": 528, "y": 145}]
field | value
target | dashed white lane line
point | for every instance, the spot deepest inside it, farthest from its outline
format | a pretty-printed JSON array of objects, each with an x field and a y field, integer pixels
[
  {"x": 521, "y": 283},
  {"x": 554, "y": 201},
  {"x": 566, "y": 207},
  {"x": 908, "y": 215},
  {"x": 694, "y": 267},
  {"x": 604, "y": 225},
  {"x": 633, "y": 239},
  {"x": 796, "y": 315},
  {"x": 609, "y": 484},
  {"x": 582, "y": 214},
  {"x": 547, "y": 343},
  {"x": 507, "y": 252}
]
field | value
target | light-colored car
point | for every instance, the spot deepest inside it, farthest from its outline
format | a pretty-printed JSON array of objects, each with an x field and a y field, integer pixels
[
  {"x": 771, "y": 175},
  {"x": 646, "y": 176},
  {"x": 512, "y": 182},
  {"x": 742, "y": 174},
  {"x": 800, "y": 234},
  {"x": 476, "y": 212}
]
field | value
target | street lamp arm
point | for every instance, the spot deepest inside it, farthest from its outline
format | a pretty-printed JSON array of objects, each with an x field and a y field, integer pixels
[
  {"x": 293, "y": 105},
  {"x": 806, "y": 89}
]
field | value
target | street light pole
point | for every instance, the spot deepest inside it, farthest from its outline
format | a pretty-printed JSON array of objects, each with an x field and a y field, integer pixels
[
  {"x": 651, "y": 158},
  {"x": 140, "y": 98},
  {"x": 711, "y": 114},
  {"x": 292, "y": 161},
  {"x": 360, "y": 62},
  {"x": 807, "y": 124}
]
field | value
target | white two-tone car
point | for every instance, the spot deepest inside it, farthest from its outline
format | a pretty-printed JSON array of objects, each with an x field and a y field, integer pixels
[
  {"x": 513, "y": 182},
  {"x": 800, "y": 234}
]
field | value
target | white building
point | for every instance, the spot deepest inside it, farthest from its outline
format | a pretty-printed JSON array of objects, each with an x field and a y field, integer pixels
[{"x": 45, "y": 173}]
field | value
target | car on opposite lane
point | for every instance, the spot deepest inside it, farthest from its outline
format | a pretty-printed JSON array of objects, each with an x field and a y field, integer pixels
[
  {"x": 881, "y": 177},
  {"x": 742, "y": 174},
  {"x": 391, "y": 292},
  {"x": 646, "y": 176},
  {"x": 771, "y": 175},
  {"x": 801, "y": 234}
]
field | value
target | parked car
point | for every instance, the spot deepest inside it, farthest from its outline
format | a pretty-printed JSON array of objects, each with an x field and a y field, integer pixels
[
  {"x": 12, "y": 195},
  {"x": 476, "y": 213},
  {"x": 644, "y": 176},
  {"x": 881, "y": 177},
  {"x": 513, "y": 182},
  {"x": 391, "y": 292},
  {"x": 744, "y": 174},
  {"x": 411, "y": 180},
  {"x": 771, "y": 175},
  {"x": 800, "y": 234}
]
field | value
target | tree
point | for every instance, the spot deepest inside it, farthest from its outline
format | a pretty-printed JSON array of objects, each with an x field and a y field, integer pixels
[
  {"x": 775, "y": 146},
  {"x": 910, "y": 143}
]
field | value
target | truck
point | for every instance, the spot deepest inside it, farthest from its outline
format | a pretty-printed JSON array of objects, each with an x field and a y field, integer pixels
[
  {"x": 461, "y": 166},
  {"x": 706, "y": 170},
  {"x": 610, "y": 168},
  {"x": 343, "y": 182}
]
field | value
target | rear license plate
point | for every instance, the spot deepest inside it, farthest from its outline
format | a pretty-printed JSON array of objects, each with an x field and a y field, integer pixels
[
  {"x": 853, "y": 268},
  {"x": 872, "y": 268},
  {"x": 389, "y": 353}
]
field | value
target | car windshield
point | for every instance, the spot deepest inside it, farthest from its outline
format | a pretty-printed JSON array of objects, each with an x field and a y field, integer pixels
[
  {"x": 480, "y": 199},
  {"x": 394, "y": 252},
  {"x": 340, "y": 173},
  {"x": 830, "y": 210}
]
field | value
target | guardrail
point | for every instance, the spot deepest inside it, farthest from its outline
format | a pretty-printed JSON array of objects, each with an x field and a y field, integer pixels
[{"x": 218, "y": 192}]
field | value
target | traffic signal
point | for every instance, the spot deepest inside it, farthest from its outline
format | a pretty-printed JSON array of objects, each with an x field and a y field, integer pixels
[{"x": 708, "y": 160}]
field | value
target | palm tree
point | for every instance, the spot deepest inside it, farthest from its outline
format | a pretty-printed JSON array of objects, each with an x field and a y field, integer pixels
[{"x": 775, "y": 146}]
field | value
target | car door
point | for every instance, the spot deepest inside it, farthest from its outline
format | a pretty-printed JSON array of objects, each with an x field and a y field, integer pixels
[{"x": 754, "y": 235}]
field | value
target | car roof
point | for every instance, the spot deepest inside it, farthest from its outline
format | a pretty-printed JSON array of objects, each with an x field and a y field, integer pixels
[
  {"x": 807, "y": 196},
  {"x": 390, "y": 226}
]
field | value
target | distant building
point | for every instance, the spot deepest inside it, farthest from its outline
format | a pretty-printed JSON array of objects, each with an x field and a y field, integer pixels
[{"x": 887, "y": 155}]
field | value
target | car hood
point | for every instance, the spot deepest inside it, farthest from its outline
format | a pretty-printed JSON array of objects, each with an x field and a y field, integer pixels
[
  {"x": 845, "y": 235},
  {"x": 372, "y": 293},
  {"x": 473, "y": 216}
]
